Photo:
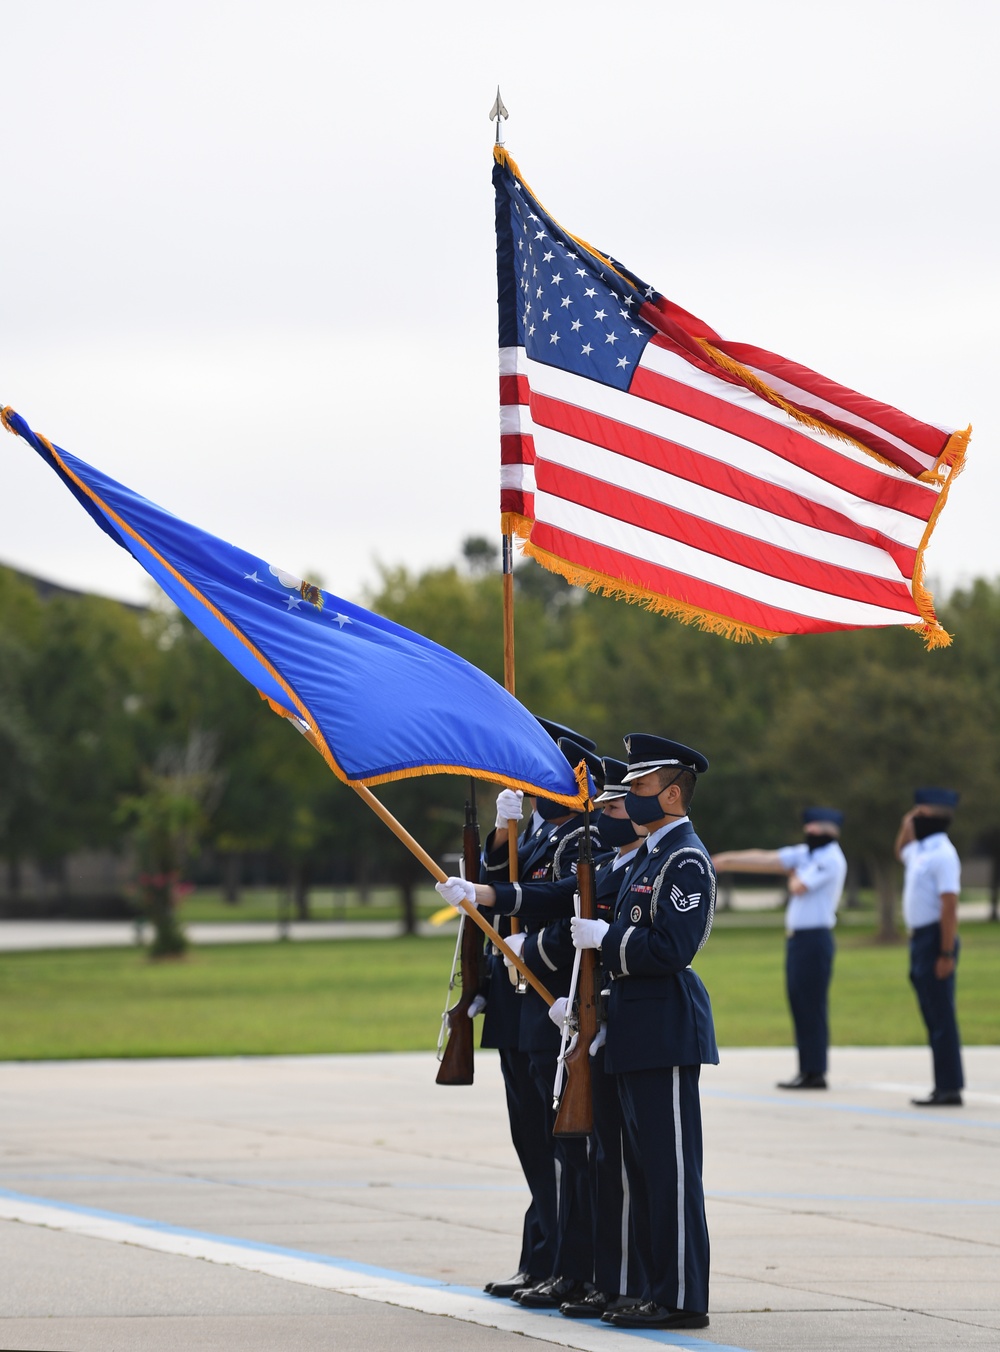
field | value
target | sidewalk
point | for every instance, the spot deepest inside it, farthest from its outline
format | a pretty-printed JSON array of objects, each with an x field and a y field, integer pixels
[{"x": 23, "y": 936}]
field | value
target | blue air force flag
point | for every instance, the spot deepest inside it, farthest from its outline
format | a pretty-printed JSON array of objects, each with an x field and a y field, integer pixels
[{"x": 379, "y": 702}]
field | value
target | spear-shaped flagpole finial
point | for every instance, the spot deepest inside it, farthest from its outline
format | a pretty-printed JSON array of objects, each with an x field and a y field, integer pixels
[{"x": 498, "y": 112}]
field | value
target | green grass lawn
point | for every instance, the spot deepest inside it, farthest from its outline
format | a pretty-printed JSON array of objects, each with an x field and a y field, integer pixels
[{"x": 387, "y": 995}]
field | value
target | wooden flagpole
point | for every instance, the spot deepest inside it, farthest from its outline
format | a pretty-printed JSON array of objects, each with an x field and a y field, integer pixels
[
  {"x": 435, "y": 870},
  {"x": 499, "y": 113},
  {"x": 508, "y": 681}
]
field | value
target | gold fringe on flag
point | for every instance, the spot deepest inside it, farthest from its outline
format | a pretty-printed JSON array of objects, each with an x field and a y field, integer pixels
[
  {"x": 580, "y": 771},
  {"x": 617, "y": 590},
  {"x": 949, "y": 466},
  {"x": 761, "y": 388}
]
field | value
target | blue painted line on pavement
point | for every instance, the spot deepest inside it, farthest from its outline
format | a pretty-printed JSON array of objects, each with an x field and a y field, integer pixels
[
  {"x": 664, "y": 1337},
  {"x": 163, "y": 1228}
]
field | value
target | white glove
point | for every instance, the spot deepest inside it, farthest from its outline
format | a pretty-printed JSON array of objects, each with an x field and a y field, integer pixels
[
  {"x": 508, "y": 806},
  {"x": 599, "y": 1040},
  {"x": 557, "y": 1011},
  {"x": 476, "y": 1006},
  {"x": 588, "y": 933},
  {"x": 455, "y": 891},
  {"x": 515, "y": 942}
]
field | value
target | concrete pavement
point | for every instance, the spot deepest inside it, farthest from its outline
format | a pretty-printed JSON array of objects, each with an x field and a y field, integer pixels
[{"x": 348, "y": 1202}]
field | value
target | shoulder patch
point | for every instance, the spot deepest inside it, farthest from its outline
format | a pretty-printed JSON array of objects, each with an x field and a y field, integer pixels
[
  {"x": 684, "y": 901},
  {"x": 687, "y": 879}
]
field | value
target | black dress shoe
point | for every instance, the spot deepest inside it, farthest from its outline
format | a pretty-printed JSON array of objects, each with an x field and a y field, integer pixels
[
  {"x": 623, "y": 1303},
  {"x": 940, "y": 1098},
  {"x": 591, "y": 1306},
  {"x": 512, "y": 1284},
  {"x": 649, "y": 1315},
  {"x": 553, "y": 1293},
  {"x": 804, "y": 1082}
]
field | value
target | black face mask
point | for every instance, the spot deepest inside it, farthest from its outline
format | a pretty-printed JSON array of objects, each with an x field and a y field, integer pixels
[
  {"x": 929, "y": 826},
  {"x": 816, "y": 841},
  {"x": 643, "y": 810},
  {"x": 548, "y": 810},
  {"x": 615, "y": 831}
]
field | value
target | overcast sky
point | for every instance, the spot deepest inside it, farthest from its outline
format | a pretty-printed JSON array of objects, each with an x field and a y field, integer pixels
[{"x": 248, "y": 261}]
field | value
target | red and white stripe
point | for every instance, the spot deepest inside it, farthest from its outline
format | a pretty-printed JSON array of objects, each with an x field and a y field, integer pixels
[{"x": 693, "y": 488}]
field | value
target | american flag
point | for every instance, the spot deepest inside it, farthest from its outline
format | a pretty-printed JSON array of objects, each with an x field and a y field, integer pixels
[{"x": 647, "y": 457}]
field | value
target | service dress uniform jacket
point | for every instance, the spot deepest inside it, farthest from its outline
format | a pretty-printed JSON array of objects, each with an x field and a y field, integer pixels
[
  {"x": 616, "y": 1270},
  {"x": 547, "y": 853},
  {"x": 659, "y": 1013},
  {"x": 660, "y": 1033},
  {"x": 506, "y": 1019}
]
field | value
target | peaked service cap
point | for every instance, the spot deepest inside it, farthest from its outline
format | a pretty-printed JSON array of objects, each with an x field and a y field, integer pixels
[
  {"x": 575, "y": 752},
  {"x": 558, "y": 730},
  {"x": 647, "y": 753},
  {"x": 614, "y": 780},
  {"x": 822, "y": 814},
  {"x": 934, "y": 797}
]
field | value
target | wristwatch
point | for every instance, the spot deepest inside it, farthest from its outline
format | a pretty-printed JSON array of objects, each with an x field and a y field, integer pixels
[{"x": 947, "y": 953}]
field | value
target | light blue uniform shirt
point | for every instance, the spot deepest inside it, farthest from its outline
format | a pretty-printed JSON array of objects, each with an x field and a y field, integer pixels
[
  {"x": 931, "y": 866},
  {"x": 823, "y": 872}
]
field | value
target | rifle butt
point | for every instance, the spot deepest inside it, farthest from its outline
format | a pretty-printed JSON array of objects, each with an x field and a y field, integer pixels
[
  {"x": 576, "y": 1106},
  {"x": 457, "y": 1061}
]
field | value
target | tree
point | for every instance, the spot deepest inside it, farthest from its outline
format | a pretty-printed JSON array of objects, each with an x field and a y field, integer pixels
[
  {"x": 167, "y": 819},
  {"x": 480, "y": 555},
  {"x": 864, "y": 737}
]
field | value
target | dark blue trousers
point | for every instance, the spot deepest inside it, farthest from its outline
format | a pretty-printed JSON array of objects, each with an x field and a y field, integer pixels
[
  {"x": 808, "y": 969},
  {"x": 937, "y": 1006},
  {"x": 532, "y": 1138},
  {"x": 662, "y": 1113},
  {"x": 616, "y": 1262},
  {"x": 574, "y": 1251}
]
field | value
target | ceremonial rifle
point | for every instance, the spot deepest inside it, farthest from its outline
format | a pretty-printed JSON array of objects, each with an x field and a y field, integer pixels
[
  {"x": 457, "y": 1060},
  {"x": 575, "y": 1115}
]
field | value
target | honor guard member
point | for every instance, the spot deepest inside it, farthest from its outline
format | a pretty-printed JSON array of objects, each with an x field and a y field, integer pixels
[
  {"x": 516, "y": 1024},
  {"x": 547, "y": 950},
  {"x": 931, "y": 883},
  {"x": 618, "y": 1279},
  {"x": 816, "y": 871},
  {"x": 660, "y": 1030},
  {"x": 615, "y": 1278}
]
